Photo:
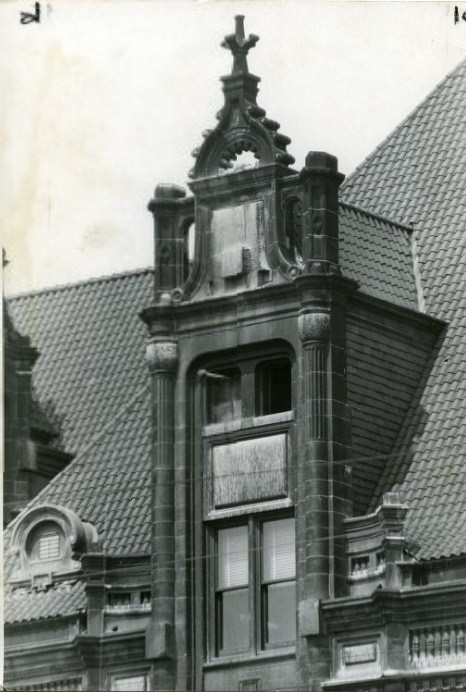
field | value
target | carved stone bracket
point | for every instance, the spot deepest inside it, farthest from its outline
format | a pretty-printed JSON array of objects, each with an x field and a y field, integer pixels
[{"x": 314, "y": 326}]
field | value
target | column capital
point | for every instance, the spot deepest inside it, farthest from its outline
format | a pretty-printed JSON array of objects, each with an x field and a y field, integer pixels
[
  {"x": 314, "y": 326},
  {"x": 162, "y": 355}
]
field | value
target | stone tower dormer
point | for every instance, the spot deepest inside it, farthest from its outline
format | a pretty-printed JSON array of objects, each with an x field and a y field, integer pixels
[
  {"x": 253, "y": 221},
  {"x": 246, "y": 354}
]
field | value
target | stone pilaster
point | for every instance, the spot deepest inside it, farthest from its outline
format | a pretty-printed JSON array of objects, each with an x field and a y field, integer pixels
[
  {"x": 321, "y": 181},
  {"x": 323, "y": 482},
  {"x": 312, "y": 510},
  {"x": 94, "y": 571},
  {"x": 162, "y": 360}
]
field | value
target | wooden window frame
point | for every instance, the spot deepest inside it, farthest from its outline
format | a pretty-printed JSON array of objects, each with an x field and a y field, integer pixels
[{"x": 257, "y": 614}]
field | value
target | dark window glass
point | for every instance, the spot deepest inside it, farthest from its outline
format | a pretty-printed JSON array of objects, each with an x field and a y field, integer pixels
[
  {"x": 223, "y": 395},
  {"x": 280, "y": 612},
  {"x": 232, "y": 590},
  {"x": 273, "y": 387},
  {"x": 234, "y": 621},
  {"x": 278, "y": 581}
]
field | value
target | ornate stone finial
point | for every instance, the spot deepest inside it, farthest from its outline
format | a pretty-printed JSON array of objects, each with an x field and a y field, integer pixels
[
  {"x": 239, "y": 46},
  {"x": 243, "y": 125}
]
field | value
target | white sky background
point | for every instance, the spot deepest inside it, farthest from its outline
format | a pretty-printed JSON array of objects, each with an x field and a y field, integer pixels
[{"x": 104, "y": 99}]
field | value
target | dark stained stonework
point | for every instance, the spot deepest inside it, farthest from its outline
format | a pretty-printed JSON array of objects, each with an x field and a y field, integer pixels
[{"x": 289, "y": 381}]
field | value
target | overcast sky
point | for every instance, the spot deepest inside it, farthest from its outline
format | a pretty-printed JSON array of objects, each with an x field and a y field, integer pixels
[{"x": 103, "y": 100}]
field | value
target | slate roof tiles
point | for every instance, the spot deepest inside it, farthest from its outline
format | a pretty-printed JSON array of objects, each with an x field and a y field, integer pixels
[{"x": 418, "y": 175}]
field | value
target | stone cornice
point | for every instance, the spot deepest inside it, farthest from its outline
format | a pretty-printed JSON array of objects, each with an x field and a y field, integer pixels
[
  {"x": 400, "y": 313},
  {"x": 423, "y": 604}
]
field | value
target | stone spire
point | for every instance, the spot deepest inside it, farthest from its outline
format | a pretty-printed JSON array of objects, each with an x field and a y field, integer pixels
[{"x": 243, "y": 125}]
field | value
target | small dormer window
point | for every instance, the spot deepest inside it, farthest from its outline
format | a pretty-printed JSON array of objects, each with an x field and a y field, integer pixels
[{"x": 49, "y": 541}]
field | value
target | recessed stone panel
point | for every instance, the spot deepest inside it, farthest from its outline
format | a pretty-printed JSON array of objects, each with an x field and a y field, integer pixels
[
  {"x": 237, "y": 240},
  {"x": 249, "y": 470}
]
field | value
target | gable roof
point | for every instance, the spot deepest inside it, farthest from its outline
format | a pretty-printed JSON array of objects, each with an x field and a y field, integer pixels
[{"x": 418, "y": 175}]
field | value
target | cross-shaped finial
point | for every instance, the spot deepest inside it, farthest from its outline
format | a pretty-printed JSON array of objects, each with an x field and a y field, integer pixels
[{"x": 239, "y": 46}]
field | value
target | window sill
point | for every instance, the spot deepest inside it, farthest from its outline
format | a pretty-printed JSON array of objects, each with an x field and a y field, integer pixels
[
  {"x": 241, "y": 659},
  {"x": 252, "y": 508},
  {"x": 247, "y": 423}
]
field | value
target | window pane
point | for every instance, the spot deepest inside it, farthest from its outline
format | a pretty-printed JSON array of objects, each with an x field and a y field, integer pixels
[
  {"x": 232, "y": 557},
  {"x": 223, "y": 395},
  {"x": 278, "y": 543},
  {"x": 234, "y": 625},
  {"x": 49, "y": 546},
  {"x": 281, "y": 612},
  {"x": 273, "y": 387}
]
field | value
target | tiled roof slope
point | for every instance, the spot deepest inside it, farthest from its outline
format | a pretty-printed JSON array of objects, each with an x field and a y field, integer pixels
[
  {"x": 377, "y": 254},
  {"x": 91, "y": 345},
  {"x": 90, "y": 336},
  {"x": 418, "y": 175},
  {"x": 92, "y": 369},
  {"x": 108, "y": 484},
  {"x": 62, "y": 600}
]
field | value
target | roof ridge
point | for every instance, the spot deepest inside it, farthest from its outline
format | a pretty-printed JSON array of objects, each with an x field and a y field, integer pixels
[
  {"x": 399, "y": 127},
  {"x": 81, "y": 282},
  {"x": 379, "y": 217}
]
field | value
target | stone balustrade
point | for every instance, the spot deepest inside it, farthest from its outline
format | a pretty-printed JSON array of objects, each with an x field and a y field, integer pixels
[{"x": 439, "y": 646}]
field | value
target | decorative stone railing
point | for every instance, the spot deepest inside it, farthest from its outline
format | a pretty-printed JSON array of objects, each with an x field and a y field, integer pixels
[
  {"x": 128, "y": 607},
  {"x": 435, "y": 647},
  {"x": 367, "y": 566},
  {"x": 438, "y": 684}
]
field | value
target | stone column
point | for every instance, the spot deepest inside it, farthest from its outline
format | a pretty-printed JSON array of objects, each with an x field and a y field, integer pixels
[
  {"x": 172, "y": 213},
  {"x": 162, "y": 360}
]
